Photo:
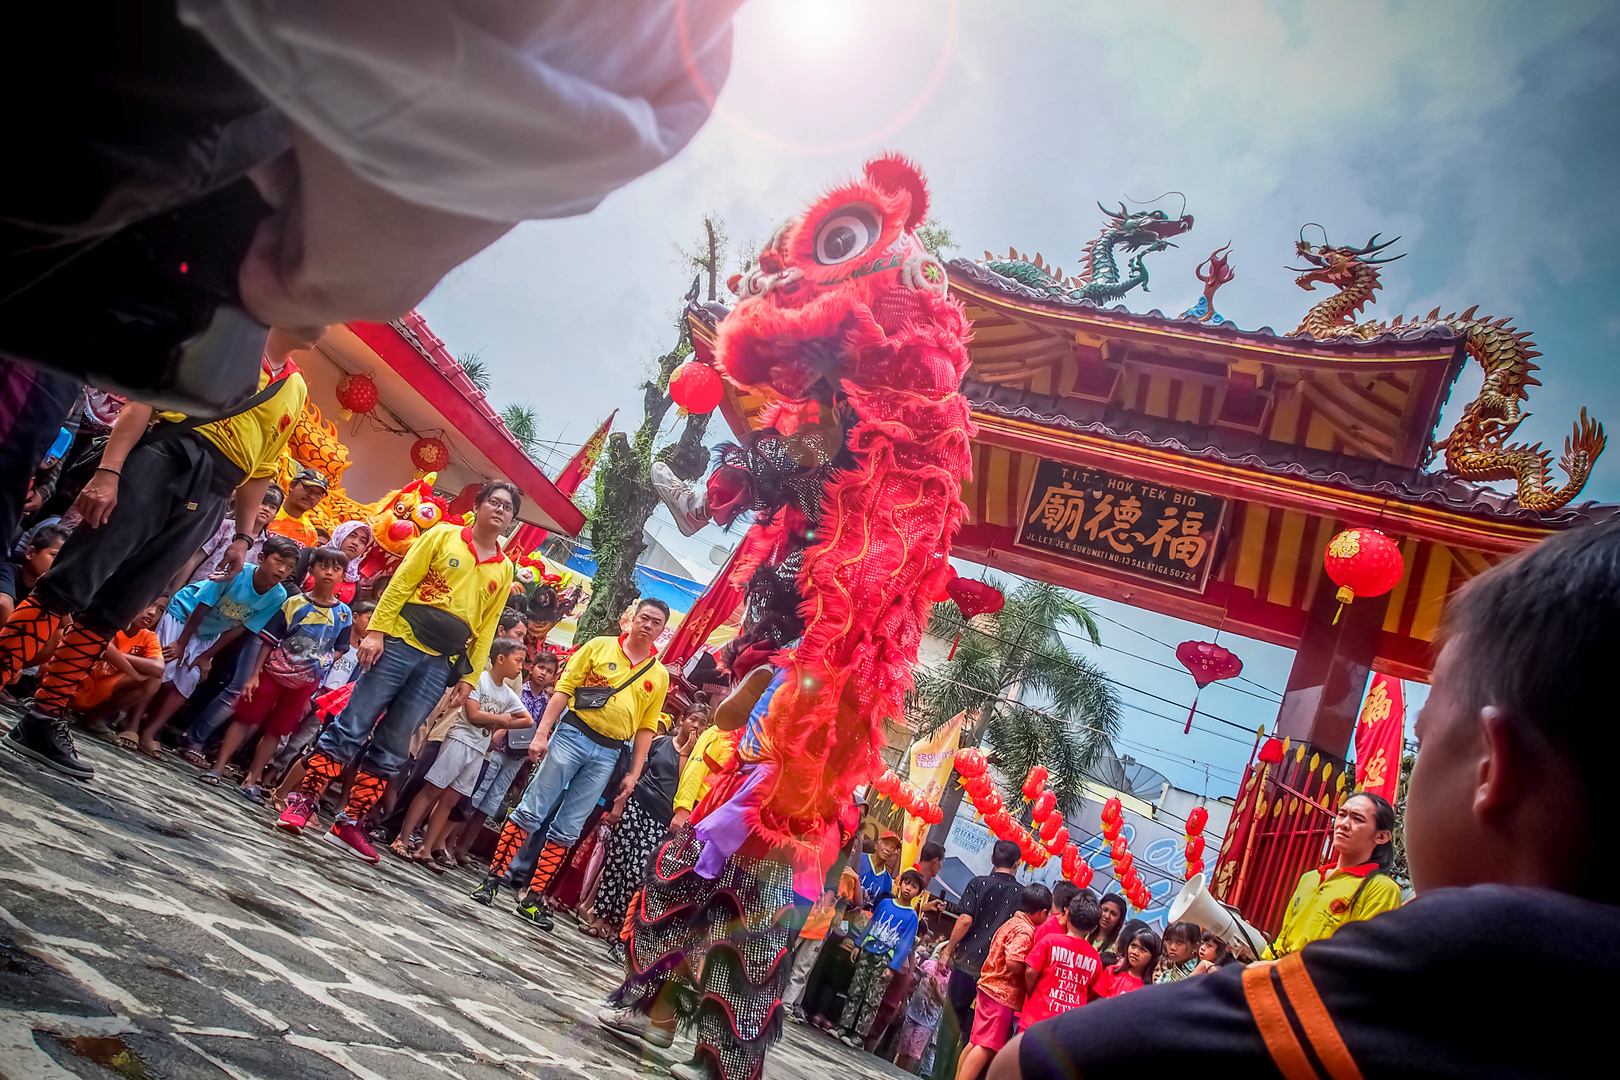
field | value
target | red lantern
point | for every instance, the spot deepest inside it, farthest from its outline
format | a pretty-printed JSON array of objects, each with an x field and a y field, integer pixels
[
  {"x": 972, "y": 598},
  {"x": 884, "y": 785},
  {"x": 1050, "y": 826},
  {"x": 356, "y": 394},
  {"x": 998, "y": 821},
  {"x": 1058, "y": 842},
  {"x": 1083, "y": 875},
  {"x": 1194, "y": 867},
  {"x": 1362, "y": 562},
  {"x": 1197, "y": 820},
  {"x": 935, "y": 814},
  {"x": 978, "y": 787},
  {"x": 1071, "y": 860},
  {"x": 1045, "y": 803},
  {"x": 1111, "y": 831},
  {"x": 696, "y": 387},
  {"x": 970, "y": 762},
  {"x": 1037, "y": 857},
  {"x": 990, "y": 804},
  {"x": 1208, "y": 663},
  {"x": 1035, "y": 781},
  {"x": 429, "y": 454},
  {"x": 903, "y": 793},
  {"x": 1118, "y": 850},
  {"x": 1111, "y": 810},
  {"x": 1195, "y": 848}
]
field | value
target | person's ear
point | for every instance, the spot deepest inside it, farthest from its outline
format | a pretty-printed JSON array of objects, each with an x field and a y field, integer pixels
[{"x": 1500, "y": 771}]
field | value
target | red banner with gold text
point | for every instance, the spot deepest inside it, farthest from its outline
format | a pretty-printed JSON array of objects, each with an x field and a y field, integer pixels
[{"x": 1380, "y": 738}]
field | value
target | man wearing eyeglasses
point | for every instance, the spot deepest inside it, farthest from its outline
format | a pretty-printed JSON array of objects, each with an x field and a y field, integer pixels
[{"x": 433, "y": 623}]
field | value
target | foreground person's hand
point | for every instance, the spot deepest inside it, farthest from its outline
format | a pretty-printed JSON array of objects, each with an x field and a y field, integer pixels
[{"x": 337, "y": 247}]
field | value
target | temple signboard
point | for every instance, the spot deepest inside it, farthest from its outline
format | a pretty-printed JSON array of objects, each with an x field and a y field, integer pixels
[{"x": 1146, "y": 530}]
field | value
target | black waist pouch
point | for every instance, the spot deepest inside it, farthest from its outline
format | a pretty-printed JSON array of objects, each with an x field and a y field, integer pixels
[{"x": 441, "y": 632}]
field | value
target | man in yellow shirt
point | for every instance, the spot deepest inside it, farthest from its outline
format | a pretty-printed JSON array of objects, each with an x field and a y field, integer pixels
[
  {"x": 580, "y": 752},
  {"x": 443, "y": 604},
  {"x": 156, "y": 497}
]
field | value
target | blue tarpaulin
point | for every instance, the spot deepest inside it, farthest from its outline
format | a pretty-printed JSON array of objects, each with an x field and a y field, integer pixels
[{"x": 678, "y": 592}]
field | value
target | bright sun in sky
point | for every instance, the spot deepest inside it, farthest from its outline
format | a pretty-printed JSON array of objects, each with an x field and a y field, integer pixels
[{"x": 816, "y": 26}]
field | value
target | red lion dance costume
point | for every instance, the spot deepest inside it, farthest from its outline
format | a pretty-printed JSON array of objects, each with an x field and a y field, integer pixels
[{"x": 845, "y": 312}]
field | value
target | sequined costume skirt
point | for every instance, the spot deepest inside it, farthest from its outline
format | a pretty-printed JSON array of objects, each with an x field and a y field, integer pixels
[{"x": 718, "y": 949}]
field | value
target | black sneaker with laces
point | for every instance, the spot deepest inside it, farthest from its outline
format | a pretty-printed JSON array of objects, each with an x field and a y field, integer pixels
[
  {"x": 48, "y": 740},
  {"x": 487, "y": 892},
  {"x": 536, "y": 912}
]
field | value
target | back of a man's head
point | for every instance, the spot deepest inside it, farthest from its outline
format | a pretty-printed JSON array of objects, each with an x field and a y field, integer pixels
[
  {"x": 1005, "y": 855},
  {"x": 1504, "y": 788}
]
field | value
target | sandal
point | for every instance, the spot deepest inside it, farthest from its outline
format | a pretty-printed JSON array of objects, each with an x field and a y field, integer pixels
[
  {"x": 403, "y": 849},
  {"x": 252, "y": 794},
  {"x": 127, "y": 740},
  {"x": 153, "y": 750},
  {"x": 194, "y": 757},
  {"x": 209, "y": 778}
]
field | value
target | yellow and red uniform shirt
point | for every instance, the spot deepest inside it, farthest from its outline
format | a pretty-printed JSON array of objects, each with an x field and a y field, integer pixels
[
  {"x": 1322, "y": 903},
  {"x": 253, "y": 440},
  {"x": 443, "y": 571},
  {"x": 602, "y": 662}
]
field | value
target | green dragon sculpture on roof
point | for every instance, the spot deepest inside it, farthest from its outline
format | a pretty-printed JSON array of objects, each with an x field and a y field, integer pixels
[{"x": 1138, "y": 233}]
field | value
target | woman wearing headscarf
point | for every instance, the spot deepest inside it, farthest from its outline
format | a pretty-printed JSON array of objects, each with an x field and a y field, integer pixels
[{"x": 354, "y": 539}]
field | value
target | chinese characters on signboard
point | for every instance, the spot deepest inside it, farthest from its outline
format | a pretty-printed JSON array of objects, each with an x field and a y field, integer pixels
[{"x": 1119, "y": 523}]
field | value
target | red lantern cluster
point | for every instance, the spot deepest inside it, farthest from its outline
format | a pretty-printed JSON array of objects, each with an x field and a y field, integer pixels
[
  {"x": 1119, "y": 853},
  {"x": 1052, "y": 833},
  {"x": 696, "y": 387},
  {"x": 1195, "y": 841},
  {"x": 908, "y": 798},
  {"x": 356, "y": 394},
  {"x": 1362, "y": 562},
  {"x": 429, "y": 454}
]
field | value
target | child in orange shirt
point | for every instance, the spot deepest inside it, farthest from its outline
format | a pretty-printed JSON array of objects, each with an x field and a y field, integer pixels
[
  {"x": 126, "y": 677},
  {"x": 1001, "y": 982}
]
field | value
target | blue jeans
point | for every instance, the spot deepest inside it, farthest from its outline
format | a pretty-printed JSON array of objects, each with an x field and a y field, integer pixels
[
  {"x": 491, "y": 790},
  {"x": 574, "y": 772},
  {"x": 216, "y": 712},
  {"x": 407, "y": 683}
]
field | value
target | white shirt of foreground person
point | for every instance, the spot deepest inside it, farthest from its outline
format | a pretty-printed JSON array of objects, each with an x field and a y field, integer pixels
[{"x": 506, "y": 110}]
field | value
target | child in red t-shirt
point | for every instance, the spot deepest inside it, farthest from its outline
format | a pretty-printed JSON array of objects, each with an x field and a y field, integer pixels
[
  {"x": 1134, "y": 968},
  {"x": 1061, "y": 968}
]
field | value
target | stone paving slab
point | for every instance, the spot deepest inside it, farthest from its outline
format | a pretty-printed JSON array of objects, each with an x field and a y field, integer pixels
[{"x": 151, "y": 926}]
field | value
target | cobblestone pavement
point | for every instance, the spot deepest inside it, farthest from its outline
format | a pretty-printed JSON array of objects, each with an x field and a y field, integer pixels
[{"x": 154, "y": 927}]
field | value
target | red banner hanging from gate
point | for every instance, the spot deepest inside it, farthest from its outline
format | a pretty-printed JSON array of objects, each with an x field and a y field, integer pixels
[{"x": 1380, "y": 738}]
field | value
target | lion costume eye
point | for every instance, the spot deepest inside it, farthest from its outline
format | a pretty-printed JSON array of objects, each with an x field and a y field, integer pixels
[{"x": 845, "y": 233}]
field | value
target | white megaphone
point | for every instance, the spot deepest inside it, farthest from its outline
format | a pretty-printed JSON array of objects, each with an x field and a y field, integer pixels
[{"x": 1194, "y": 904}]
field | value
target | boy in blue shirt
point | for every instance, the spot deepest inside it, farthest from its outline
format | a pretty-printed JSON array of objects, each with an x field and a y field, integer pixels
[
  {"x": 876, "y": 881},
  {"x": 296, "y": 651},
  {"x": 204, "y": 618},
  {"x": 883, "y": 951}
]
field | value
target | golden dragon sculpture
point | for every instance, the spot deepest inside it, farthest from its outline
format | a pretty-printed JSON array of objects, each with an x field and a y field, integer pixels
[{"x": 1478, "y": 447}]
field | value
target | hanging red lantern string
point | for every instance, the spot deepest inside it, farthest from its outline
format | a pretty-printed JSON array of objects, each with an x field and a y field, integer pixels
[
  {"x": 1208, "y": 663},
  {"x": 1195, "y": 841},
  {"x": 1362, "y": 562},
  {"x": 1035, "y": 782}
]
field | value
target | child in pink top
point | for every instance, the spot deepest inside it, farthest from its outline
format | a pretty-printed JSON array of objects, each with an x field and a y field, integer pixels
[{"x": 1134, "y": 968}]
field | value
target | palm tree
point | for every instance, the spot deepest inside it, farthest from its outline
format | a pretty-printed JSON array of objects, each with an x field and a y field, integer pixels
[
  {"x": 1028, "y": 697},
  {"x": 524, "y": 425},
  {"x": 477, "y": 370}
]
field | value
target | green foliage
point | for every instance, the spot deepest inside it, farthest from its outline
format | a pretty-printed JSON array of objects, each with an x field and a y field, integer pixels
[
  {"x": 477, "y": 370},
  {"x": 521, "y": 421},
  {"x": 1007, "y": 661},
  {"x": 1399, "y": 871},
  {"x": 936, "y": 237}
]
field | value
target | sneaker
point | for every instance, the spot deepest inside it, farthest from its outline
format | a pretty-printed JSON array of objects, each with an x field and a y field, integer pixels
[
  {"x": 348, "y": 834},
  {"x": 487, "y": 892},
  {"x": 687, "y": 505},
  {"x": 798, "y": 1015},
  {"x": 852, "y": 1041},
  {"x": 618, "y": 953},
  {"x": 536, "y": 912},
  {"x": 637, "y": 1026},
  {"x": 47, "y": 740},
  {"x": 300, "y": 808}
]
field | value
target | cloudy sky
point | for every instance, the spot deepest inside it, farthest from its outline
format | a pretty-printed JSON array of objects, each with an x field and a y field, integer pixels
[{"x": 1485, "y": 135}]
